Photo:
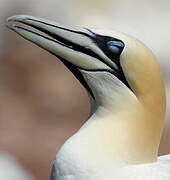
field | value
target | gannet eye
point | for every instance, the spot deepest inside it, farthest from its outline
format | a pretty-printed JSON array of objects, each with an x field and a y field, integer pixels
[
  {"x": 115, "y": 43},
  {"x": 115, "y": 46}
]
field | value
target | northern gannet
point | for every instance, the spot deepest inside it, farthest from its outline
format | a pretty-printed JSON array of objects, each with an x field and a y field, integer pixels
[{"x": 120, "y": 140}]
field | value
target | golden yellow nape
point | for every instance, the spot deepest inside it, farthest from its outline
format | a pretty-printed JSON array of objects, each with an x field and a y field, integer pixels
[
  {"x": 120, "y": 140},
  {"x": 143, "y": 74}
]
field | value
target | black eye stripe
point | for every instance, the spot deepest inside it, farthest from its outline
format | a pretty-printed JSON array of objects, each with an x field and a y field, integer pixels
[{"x": 112, "y": 48}]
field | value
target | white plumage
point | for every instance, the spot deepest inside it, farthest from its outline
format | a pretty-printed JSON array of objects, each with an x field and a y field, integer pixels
[{"x": 159, "y": 170}]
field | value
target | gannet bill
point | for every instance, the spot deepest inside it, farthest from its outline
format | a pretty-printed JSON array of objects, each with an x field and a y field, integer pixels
[{"x": 120, "y": 140}]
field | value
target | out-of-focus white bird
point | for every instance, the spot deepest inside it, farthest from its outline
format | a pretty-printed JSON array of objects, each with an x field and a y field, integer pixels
[
  {"x": 10, "y": 169},
  {"x": 121, "y": 138}
]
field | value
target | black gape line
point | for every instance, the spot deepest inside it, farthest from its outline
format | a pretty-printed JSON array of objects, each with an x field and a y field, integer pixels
[
  {"x": 64, "y": 42},
  {"x": 99, "y": 40}
]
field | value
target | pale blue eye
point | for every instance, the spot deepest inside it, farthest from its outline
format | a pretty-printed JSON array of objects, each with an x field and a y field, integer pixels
[{"x": 115, "y": 43}]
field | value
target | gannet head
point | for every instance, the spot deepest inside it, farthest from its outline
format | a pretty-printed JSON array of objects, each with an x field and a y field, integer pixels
[{"x": 119, "y": 72}]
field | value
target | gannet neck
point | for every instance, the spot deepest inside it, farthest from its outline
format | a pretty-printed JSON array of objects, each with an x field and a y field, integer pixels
[{"x": 120, "y": 125}]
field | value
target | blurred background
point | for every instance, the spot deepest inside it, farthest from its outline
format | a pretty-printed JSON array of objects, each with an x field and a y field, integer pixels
[{"x": 41, "y": 103}]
